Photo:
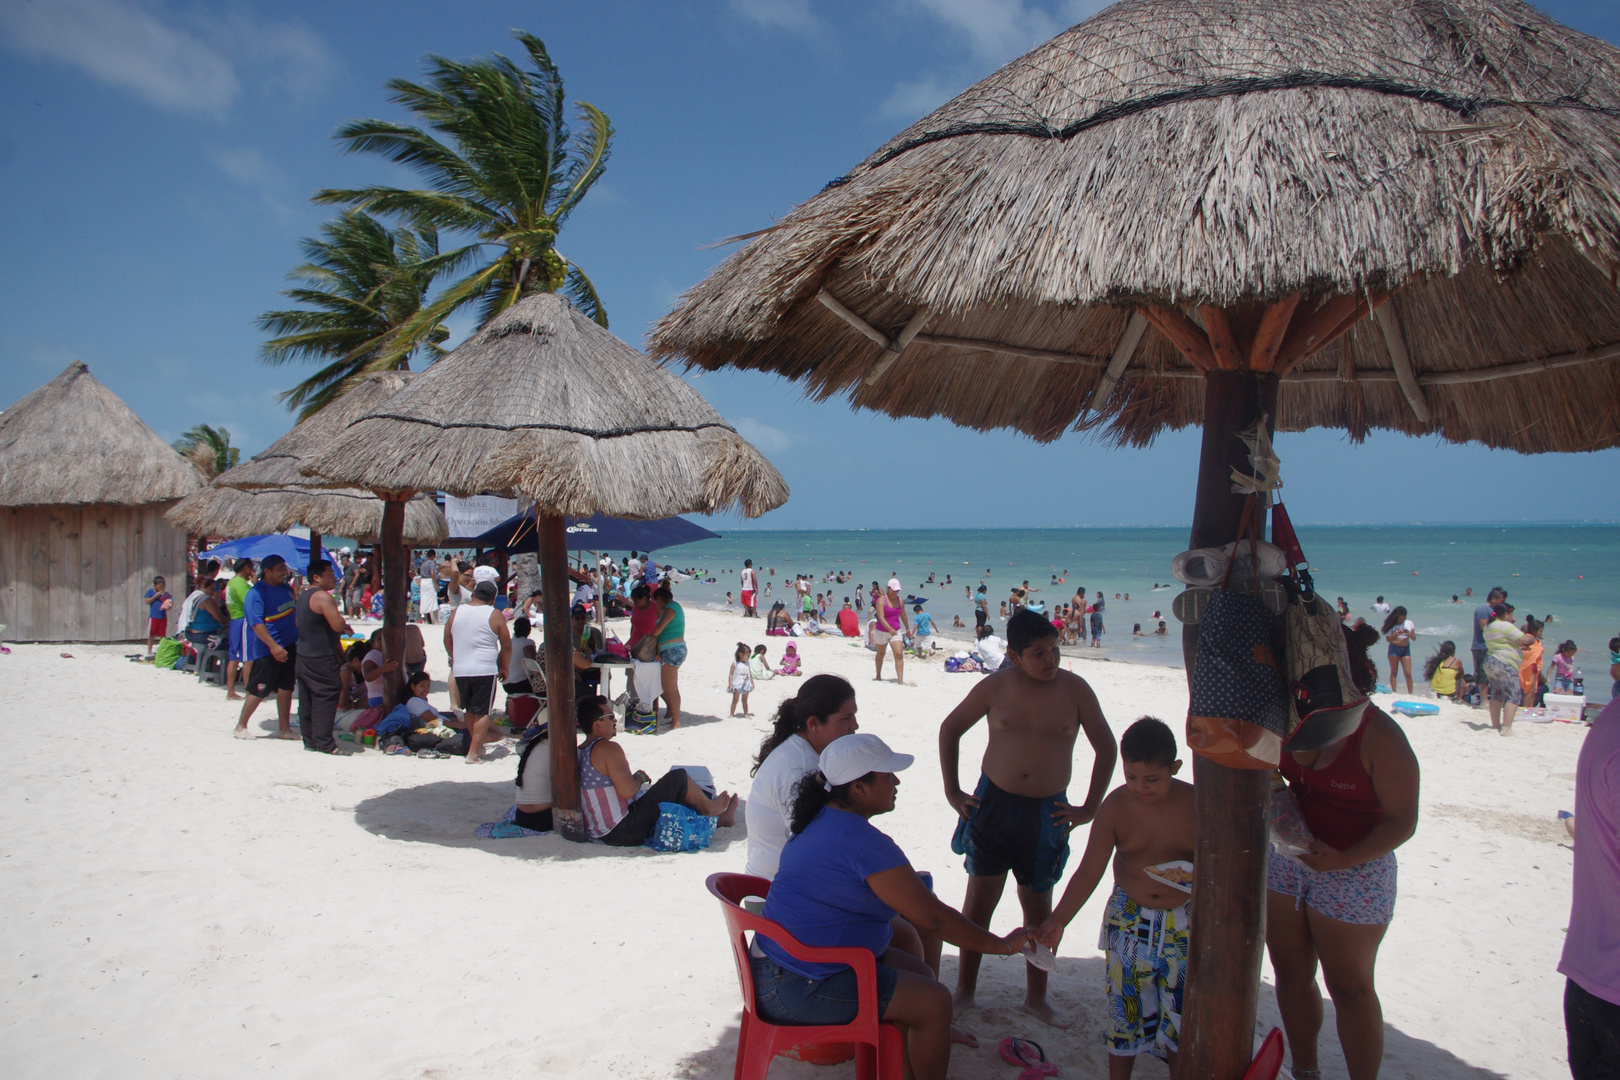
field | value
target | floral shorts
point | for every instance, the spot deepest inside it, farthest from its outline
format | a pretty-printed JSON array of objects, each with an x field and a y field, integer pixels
[
  {"x": 1364, "y": 895},
  {"x": 1146, "y": 975},
  {"x": 1504, "y": 681}
]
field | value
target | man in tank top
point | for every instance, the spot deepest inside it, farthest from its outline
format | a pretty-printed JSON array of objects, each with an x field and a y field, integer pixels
[
  {"x": 479, "y": 645},
  {"x": 319, "y": 658}
]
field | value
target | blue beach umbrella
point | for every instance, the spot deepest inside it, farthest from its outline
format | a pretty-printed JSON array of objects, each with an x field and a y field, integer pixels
[{"x": 295, "y": 549}]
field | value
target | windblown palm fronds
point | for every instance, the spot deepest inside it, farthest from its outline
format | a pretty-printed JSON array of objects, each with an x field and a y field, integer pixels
[
  {"x": 503, "y": 166},
  {"x": 1457, "y": 158},
  {"x": 209, "y": 449},
  {"x": 363, "y": 283}
]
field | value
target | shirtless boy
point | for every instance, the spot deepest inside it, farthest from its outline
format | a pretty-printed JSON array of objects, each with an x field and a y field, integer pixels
[
  {"x": 1019, "y": 817},
  {"x": 1146, "y": 821}
]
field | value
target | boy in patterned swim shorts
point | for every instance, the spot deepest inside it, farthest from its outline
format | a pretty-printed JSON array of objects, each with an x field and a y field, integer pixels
[{"x": 1143, "y": 823}]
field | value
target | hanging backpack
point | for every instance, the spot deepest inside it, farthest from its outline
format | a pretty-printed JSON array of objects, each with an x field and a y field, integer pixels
[
  {"x": 1238, "y": 713},
  {"x": 1326, "y": 704}
]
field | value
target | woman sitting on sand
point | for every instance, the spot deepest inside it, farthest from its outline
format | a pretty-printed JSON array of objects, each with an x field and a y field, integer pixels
[
  {"x": 617, "y": 811},
  {"x": 1359, "y": 796},
  {"x": 778, "y": 623},
  {"x": 840, "y": 883},
  {"x": 1443, "y": 671}
]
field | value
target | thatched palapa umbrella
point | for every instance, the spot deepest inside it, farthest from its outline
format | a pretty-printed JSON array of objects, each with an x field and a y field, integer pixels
[
  {"x": 1185, "y": 211},
  {"x": 268, "y": 494},
  {"x": 544, "y": 404}
]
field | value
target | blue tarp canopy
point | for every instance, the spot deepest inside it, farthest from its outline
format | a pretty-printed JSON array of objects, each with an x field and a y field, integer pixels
[
  {"x": 516, "y": 535},
  {"x": 295, "y": 549}
]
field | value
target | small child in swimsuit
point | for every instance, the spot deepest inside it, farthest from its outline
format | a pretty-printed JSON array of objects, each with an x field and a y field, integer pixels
[
  {"x": 1019, "y": 817},
  {"x": 1143, "y": 823}
]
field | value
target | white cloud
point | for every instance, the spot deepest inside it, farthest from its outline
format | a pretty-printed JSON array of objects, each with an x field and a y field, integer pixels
[
  {"x": 995, "y": 30},
  {"x": 124, "y": 46},
  {"x": 777, "y": 14},
  {"x": 916, "y": 97},
  {"x": 190, "y": 69},
  {"x": 763, "y": 436},
  {"x": 249, "y": 166}
]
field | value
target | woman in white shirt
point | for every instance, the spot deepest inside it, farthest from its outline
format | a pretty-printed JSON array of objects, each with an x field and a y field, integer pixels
[{"x": 822, "y": 710}]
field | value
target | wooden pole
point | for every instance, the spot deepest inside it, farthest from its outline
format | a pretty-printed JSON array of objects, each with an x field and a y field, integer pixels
[
  {"x": 1232, "y": 845},
  {"x": 315, "y": 539},
  {"x": 566, "y": 818},
  {"x": 396, "y": 604}
]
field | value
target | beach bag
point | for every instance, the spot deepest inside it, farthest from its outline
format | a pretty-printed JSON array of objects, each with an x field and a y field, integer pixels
[
  {"x": 680, "y": 828},
  {"x": 1238, "y": 713},
  {"x": 646, "y": 649},
  {"x": 167, "y": 653},
  {"x": 1326, "y": 705},
  {"x": 617, "y": 647}
]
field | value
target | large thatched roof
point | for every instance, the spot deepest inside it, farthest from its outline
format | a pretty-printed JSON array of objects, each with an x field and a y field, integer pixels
[
  {"x": 74, "y": 442},
  {"x": 544, "y": 404},
  {"x": 227, "y": 511},
  {"x": 1462, "y": 155},
  {"x": 268, "y": 494}
]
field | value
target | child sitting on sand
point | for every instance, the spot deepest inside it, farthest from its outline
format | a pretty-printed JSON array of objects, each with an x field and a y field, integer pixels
[
  {"x": 790, "y": 661},
  {"x": 1019, "y": 817},
  {"x": 1443, "y": 671},
  {"x": 1145, "y": 822},
  {"x": 760, "y": 665}
]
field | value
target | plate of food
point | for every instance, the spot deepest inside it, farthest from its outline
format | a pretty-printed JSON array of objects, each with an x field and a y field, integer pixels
[{"x": 1177, "y": 875}]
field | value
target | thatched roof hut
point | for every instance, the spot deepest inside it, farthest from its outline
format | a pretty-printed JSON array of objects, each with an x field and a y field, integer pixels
[
  {"x": 73, "y": 442},
  {"x": 84, "y": 484},
  {"x": 545, "y": 404},
  {"x": 267, "y": 493},
  {"x": 1460, "y": 160}
]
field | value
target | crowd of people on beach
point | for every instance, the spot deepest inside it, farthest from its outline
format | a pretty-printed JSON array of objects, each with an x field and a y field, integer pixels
[{"x": 835, "y": 878}]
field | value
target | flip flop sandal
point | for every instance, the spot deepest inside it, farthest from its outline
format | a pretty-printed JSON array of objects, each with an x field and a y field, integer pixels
[
  {"x": 1028, "y": 1055},
  {"x": 1206, "y": 566},
  {"x": 1272, "y": 593},
  {"x": 1189, "y": 604}
]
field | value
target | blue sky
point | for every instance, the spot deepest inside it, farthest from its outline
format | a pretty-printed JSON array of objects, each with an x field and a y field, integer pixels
[{"x": 156, "y": 160}]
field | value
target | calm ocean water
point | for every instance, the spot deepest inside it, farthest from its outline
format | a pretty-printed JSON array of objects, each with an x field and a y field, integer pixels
[{"x": 1571, "y": 572}]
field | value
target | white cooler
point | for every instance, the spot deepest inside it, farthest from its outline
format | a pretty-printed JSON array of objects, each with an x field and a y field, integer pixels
[{"x": 1565, "y": 706}]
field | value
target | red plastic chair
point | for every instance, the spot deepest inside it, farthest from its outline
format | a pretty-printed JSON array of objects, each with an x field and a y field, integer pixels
[
  {"x": 877, "y": 1045},
  {"x": 1268, "y": 1062}
]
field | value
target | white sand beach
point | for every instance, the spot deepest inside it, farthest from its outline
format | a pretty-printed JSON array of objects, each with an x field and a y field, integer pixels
[{"x": 179, "y": 903}]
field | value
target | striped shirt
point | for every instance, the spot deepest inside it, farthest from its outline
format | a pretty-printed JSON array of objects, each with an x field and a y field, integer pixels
[{"x": 603, "y": 806}]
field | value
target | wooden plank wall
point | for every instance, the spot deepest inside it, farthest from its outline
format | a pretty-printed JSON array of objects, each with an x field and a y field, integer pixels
[{"x": 76, "y": 573}]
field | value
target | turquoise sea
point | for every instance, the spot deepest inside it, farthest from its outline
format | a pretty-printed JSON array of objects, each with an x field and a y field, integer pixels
[{"x": 1571, "y": 572}]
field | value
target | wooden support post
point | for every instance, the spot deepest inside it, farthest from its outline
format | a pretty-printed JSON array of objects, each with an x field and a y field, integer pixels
[
  {"x": 566, "y": 818},
  {"x": 315, "y": 539},
  {"x": 1395, "y": 342},
  {"x": 396, "y": 605},
  {"x": 1232, "y": 844},
  {"x": 1269, "y": 335}
]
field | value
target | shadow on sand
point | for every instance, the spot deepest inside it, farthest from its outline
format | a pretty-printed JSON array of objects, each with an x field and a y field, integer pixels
[
  {"x": 1077, "y": 988},
  {"x": 445, "y": 812}
]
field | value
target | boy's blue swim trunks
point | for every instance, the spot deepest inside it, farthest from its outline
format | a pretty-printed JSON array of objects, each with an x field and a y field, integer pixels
[{"x": 1014, "y": 832}]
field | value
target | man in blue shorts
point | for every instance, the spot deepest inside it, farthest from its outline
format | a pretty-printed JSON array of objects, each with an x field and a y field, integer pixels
[
  {"x": 272, "y": 646},
  {"x": 1019, "y": 817},
  {"x": 236, "y": 591}
]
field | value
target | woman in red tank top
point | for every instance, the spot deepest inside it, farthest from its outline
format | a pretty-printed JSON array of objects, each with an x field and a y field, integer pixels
[{"x": 1359, "y": 797}]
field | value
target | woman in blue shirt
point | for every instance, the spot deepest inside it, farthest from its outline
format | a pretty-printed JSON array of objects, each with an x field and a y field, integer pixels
[{"x": 840, "y": 883}]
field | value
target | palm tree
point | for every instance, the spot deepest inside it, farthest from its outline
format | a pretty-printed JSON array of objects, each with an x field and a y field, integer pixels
[
  {"x": 508, "y": 170},
  {"x": 362, "y": 282},
  {"x": 209, "y": 449}
]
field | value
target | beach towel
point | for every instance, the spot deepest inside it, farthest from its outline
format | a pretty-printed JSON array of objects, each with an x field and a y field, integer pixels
[{"x": 506, "y": 828}]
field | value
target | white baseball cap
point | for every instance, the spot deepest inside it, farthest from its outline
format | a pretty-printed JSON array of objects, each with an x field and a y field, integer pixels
[
  {"x": 486, "y": 573},
  {"x": 894, "y": 583},
  {"x": 851, "y": 757}
]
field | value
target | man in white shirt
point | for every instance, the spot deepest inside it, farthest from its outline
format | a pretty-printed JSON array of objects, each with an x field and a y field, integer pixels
[
  {"x": 633, "y": 566},
  {"x": 748, "y": 583},
  {"x": 1381, "y": 607}
]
